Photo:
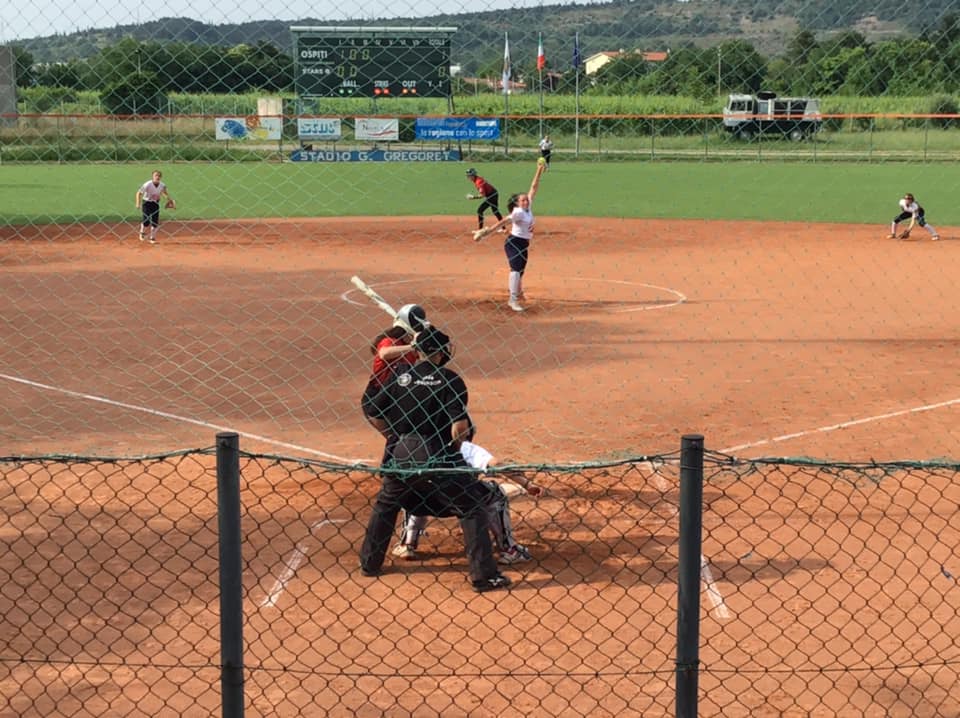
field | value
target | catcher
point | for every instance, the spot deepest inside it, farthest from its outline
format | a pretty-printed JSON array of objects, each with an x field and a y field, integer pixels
[
  {"x": 486, "y": 192},
  {"x": 910, "y": 209},
  {"x": 497, "y": 506},
  {"x": 148, "y": 199}
]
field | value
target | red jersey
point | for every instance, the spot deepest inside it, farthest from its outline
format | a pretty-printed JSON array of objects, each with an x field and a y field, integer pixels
[
  {"x": 383, "y": 371},
  {"x": 483, "y": 187}
]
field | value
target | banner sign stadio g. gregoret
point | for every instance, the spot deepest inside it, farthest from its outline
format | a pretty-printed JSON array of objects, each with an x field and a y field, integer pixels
[{"x": 375, "y": 156}]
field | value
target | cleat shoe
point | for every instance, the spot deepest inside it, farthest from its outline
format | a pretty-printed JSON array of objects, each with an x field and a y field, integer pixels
[
  {"x": 515, "y": 554},
  {"x": 142, "y": 238},
  {"x": 153, "y": 240},
  {"x": 407, "y": 553},
  {"x": 891, "y": 236},
  {"x": 935, "y": 237},
  {"x": 494, "y": 583},
  {"x": 515, "y": 305}
]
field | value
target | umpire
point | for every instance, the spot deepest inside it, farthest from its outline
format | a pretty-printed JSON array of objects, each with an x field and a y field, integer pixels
[{"x": 425, "y": 408}]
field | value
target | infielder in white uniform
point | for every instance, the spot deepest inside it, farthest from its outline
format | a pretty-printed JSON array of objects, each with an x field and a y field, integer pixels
[
  {"x": 148, "y": 199},
  {"x": 909, "y": 209}
]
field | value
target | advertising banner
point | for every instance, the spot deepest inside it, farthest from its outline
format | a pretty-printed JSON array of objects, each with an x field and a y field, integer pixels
[
  {"x": 248, "y": 128},
  {"x": 377, "y": 129},
  {"x": 375, "y": 156},
  {"x": 457, "y": 128},
  {"x": 319, "y": 129}
]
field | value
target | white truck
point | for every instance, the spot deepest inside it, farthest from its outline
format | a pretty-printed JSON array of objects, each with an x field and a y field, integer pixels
[{"x": 766, "y": 115}]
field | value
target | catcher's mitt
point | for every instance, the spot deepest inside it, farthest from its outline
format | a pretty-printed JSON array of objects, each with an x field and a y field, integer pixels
[{"x": 171, "y": 204}]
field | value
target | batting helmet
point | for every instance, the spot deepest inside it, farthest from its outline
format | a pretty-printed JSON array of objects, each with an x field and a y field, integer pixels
[
  {"x": 471, "y": 172},
  {"x": 413, "y": 316}
]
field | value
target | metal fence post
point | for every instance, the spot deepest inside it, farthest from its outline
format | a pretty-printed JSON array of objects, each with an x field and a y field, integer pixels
[
  {"x": 688, "y": 574},
  {"x": 231, "y": 566}
]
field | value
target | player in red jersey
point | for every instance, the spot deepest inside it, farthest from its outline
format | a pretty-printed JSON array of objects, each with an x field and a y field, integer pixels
[{"x": 486, "y": 192}]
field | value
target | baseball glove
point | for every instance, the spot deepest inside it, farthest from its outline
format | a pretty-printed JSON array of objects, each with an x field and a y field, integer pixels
[
  {"x": 473, "y": 196},
  {"x": 905, "y": 234},
  {"x": 171, "y": 204}
]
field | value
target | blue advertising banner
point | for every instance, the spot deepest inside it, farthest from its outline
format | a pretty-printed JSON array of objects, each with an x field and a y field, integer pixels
[
  {"x": 375, "y": 156},
  {"x": 458, "y": 128}
]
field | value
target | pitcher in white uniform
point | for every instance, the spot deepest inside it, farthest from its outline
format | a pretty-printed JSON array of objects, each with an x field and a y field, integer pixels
[{"x": 517, "y": 245}]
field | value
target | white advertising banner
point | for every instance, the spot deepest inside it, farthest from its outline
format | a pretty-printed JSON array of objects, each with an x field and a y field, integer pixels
[
  {"x": 374, "y": 128},
  {"x": 248, "y": 128},
  {"x": 319, "y": 129}
]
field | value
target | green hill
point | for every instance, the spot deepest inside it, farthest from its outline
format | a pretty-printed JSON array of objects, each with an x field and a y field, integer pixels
[{"x": 644, "y": 24}]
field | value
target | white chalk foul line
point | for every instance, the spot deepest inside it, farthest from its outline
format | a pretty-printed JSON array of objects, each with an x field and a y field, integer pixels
[
  {"x": 291, "y": 565},
  {"x": 174, "y": 417},
  {"x": 713, "y": 593},
  {"x": 842, "y": 425}
]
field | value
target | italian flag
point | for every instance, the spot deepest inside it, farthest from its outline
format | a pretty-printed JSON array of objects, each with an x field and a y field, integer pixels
[{"x": 541, "y": 58}]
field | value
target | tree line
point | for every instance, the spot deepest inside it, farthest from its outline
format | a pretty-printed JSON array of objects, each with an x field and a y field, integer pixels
[
  {"x": 843, "y": 64},
  {"x": 136, "y": 75}
]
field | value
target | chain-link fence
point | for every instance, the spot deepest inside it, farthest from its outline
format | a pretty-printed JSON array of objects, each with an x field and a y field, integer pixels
[
  {"x": 818, "y": 588},
  {"x": 67, "y": 138},
  {"x": 823, "y": 588},
  {"x": 851, "y": 83}
]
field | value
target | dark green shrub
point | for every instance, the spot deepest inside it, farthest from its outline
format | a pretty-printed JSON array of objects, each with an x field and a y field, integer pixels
[{"x": 136, "y": 95}]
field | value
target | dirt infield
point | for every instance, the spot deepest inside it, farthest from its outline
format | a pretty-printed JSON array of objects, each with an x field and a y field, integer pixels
[
  {"x": 770, "y": 339},
  {"x": 824, "y": 341}
]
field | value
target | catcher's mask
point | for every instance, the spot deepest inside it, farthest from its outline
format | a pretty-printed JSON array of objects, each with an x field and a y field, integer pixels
[
  {"x": 432, "y": 341},
  {"x": 471, "y": 172},
  {"x": 413, "y": 316}
]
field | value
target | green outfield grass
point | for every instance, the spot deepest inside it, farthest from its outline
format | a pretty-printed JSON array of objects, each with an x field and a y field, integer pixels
[{"x": 840, "y": 192}]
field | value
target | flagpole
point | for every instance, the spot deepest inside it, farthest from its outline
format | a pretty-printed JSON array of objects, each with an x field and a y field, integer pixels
[
  {"x": 576, "y": 70},
  {"x": 506, "y": 93},
  {"x": 541, "y": 63},
  {"x": 540, "y": 72}
]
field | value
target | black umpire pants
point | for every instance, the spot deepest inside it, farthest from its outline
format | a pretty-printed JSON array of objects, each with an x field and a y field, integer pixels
[{"x": 438, "y": 494}]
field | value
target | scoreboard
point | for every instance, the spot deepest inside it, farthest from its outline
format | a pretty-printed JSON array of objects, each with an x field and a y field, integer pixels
[{"x": 385, "y": 62}]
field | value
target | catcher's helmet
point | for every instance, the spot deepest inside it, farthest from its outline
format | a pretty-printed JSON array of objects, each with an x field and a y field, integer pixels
[
  {"x": 413, "y": 316},
  {"x": 431, "y": 340},
  {"x": 471, "y": 172}
]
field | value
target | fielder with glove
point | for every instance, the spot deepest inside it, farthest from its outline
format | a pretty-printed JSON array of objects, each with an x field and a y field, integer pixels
[
  {"x": 910, "y": 209},
  {"x": 488, "y": 193},
  {"x": 148, "y": 200}
]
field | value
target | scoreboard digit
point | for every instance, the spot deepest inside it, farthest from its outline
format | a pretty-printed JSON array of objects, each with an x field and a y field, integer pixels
[{"x": 372, "y": 65}]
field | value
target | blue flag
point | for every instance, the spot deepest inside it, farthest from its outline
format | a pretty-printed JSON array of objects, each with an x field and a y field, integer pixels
[{"x": 576, "y": 52}]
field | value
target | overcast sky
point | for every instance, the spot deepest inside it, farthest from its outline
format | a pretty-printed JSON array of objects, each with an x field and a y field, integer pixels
[{"x": 24, "y": 19}]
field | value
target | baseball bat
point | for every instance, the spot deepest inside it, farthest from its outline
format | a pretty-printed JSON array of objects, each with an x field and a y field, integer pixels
[{"x": 378, "y": 300}]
